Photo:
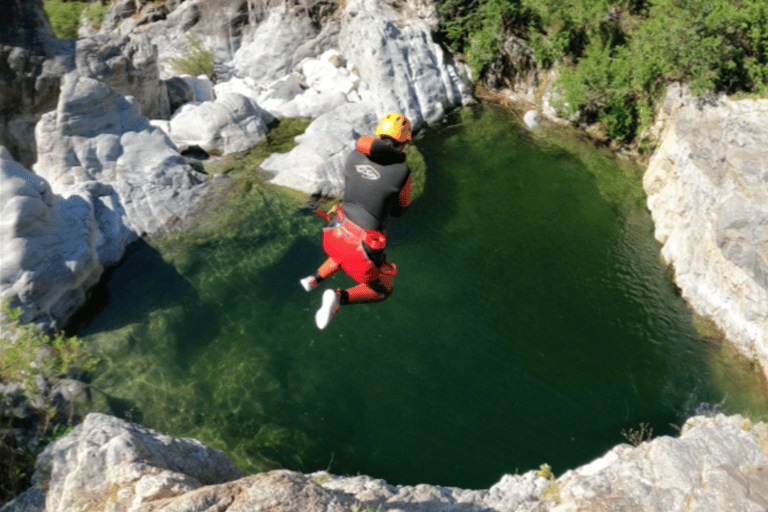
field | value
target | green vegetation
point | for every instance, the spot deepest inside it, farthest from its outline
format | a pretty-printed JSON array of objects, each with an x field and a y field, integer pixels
[
  {"x": 617, "y": 56},
  {"x": 66, "y": 355},
  {"x": 25, "y": 355},
  {"x": 195, "y": 60},
  {"x": 639, "y": 436},
  {"x": 64, "y": 17},
  {"x": 95, "y": 13},
  {"x": 280, "y": 139},
  {"x": 552, "y": 491}
]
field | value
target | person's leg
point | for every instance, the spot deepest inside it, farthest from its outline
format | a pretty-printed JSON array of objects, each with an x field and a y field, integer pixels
[
  {"x": 364, "y": 293},
  {"x": 375, "y": 291},
  {"x": 326, "y": 270}
]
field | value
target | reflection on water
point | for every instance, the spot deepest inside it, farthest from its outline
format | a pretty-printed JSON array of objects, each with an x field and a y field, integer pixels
[{"x": 531, "y": 322}]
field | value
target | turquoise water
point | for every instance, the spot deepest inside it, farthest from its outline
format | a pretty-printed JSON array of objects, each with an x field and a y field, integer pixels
[{"x": 532, "y": 321}]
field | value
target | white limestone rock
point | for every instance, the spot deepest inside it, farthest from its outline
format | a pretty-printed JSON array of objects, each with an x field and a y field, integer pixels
[
  {"x": 322, "y": 76},
  {"x": 122, "y": 466},
  {"x": 129, "y": 65},
  {"x": 267, "y": 53},
  {"x": 532, "y": 119},
  {"x": 401, "y": 68},
  {"x": 248, "y": 87},
  {"x": 49, "y": 246},
  {"x": 316, "y": 165},
  {"x": 201, "y": 85},
  {"x": 97, "y": 139},
  {"x": 670, "y": 474},
  {"x": 229, "y": 124},
  {"x": 707, "y": 187}
]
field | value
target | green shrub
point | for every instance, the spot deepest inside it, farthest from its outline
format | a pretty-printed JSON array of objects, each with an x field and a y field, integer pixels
[
  {"x": 64, "y": 17},
  {"x": 20, "y": 361},
  {"x": 616, "y": 68},
  {"x": 195, "y": 59},
  {"x": 19, "y": 351},
  {"x": 95, "y": 13}
]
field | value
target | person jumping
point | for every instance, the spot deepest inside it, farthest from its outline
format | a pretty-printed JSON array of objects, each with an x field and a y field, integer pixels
[{"x": 377, "y": 185}]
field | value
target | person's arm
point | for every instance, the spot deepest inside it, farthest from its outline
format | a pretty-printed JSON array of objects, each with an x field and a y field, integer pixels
[{"x": 403, "y": 200}]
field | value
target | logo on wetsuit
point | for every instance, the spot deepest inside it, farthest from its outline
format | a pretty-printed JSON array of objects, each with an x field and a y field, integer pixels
[{"x": 367, "y": 172}]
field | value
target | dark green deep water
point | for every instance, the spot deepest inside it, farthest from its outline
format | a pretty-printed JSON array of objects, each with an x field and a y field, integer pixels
[{"x": 532, "y": 321}]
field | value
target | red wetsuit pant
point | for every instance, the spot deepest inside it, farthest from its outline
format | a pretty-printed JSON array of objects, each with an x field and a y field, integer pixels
[{"x": 344, "y": 242}]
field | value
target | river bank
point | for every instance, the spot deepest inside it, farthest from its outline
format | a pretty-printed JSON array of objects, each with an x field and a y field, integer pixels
[{"x": 325, "y": 184}]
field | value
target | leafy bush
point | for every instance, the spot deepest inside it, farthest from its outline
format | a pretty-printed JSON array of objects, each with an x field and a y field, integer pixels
[
  {"x": 64, "y": 17},
  {"x": 95, "y": 13},
  {"x": 19, "y": 351},
  {"x": 617, "y": 56},
  {"x": 195, "y": 59},
  {"x": 25, "y": 354}
]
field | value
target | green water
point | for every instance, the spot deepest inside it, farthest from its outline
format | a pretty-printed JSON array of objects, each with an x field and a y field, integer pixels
[{"x": 532, "y": 321}]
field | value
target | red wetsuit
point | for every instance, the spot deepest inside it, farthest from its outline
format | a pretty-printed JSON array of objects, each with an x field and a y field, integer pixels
[{"x": 377, "y": 186}]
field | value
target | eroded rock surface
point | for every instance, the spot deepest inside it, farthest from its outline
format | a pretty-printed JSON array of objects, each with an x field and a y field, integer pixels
[
  {"x": 707, "y": 187},
  {"x": 49, "y": 245},
  {"x": 107, "y": 464}
]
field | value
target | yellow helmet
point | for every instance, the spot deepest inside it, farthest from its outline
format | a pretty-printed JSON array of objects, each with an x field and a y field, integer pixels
[{"x": 395, "y": 126}]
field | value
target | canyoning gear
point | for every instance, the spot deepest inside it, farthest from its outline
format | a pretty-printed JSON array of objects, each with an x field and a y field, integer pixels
[
  {"x": 359, "y": 252},
  {"x": 376, "y": 186},
  {"x": 396, "y": 126},
  {"x": 329, "y": 307},
  {"x": 309, "y": 283}
]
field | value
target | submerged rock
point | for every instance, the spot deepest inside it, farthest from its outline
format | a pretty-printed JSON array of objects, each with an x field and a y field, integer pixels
[{"x": 707, "y": 186}]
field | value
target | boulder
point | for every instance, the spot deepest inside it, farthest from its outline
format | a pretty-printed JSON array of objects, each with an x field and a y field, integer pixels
[
  {"x": 29, "y": 86},
  {"x": 401, "y": 68},
  {"x": 49, "y": 246},
  {"x": 229, "y": 124},
  {"x": 267, "y": 53},
  {"x": 201, "y": 85},
  {"x": 324, "y": 76},
  {"x": 129, "y": 65},
  {"x": 179, "y": 92},
  {"x": 109, "y": 464},
  {"x": 708, "y": 194},
  {"x": 97, "y": 138},
  {"x": 714, "y": 460},
  {"x": 532, "y": 119},
  {"x": 316, "y": 165},
  {"x": 249, "y": 88},
  {"x": 106, "y": 464}
]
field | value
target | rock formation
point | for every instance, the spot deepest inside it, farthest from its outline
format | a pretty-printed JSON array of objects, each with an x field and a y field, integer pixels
[
  {"x": 49, "y": 245},
  {"x": 401, "y": 70},
  {"x": 106, "y": 464},
  {"x": 707, "y": 186},
  {"x": 104, "y": 177},
  {"x": 230, "y": 124}
]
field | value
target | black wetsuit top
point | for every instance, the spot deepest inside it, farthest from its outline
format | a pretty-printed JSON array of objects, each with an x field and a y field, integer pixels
[{"x": 373, "y": 184}]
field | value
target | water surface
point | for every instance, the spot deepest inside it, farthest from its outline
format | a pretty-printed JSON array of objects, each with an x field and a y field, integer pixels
[{"x": 532, "y": 321}]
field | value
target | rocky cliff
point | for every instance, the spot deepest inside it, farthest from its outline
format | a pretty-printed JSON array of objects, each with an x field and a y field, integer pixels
[
  {"x": 707, "y": 186},
  {"x": 92, "y": 117},
  {"x": 105, "y": 464}
]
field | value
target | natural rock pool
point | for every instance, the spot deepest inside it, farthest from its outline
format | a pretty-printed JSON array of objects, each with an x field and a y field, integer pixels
[{"x": 532, "y": 321}]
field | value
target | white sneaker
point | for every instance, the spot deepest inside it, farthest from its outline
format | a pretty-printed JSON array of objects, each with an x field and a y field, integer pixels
[
  {"x": 331, "y": 304},
  {"x": 309, "y": 283}
]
